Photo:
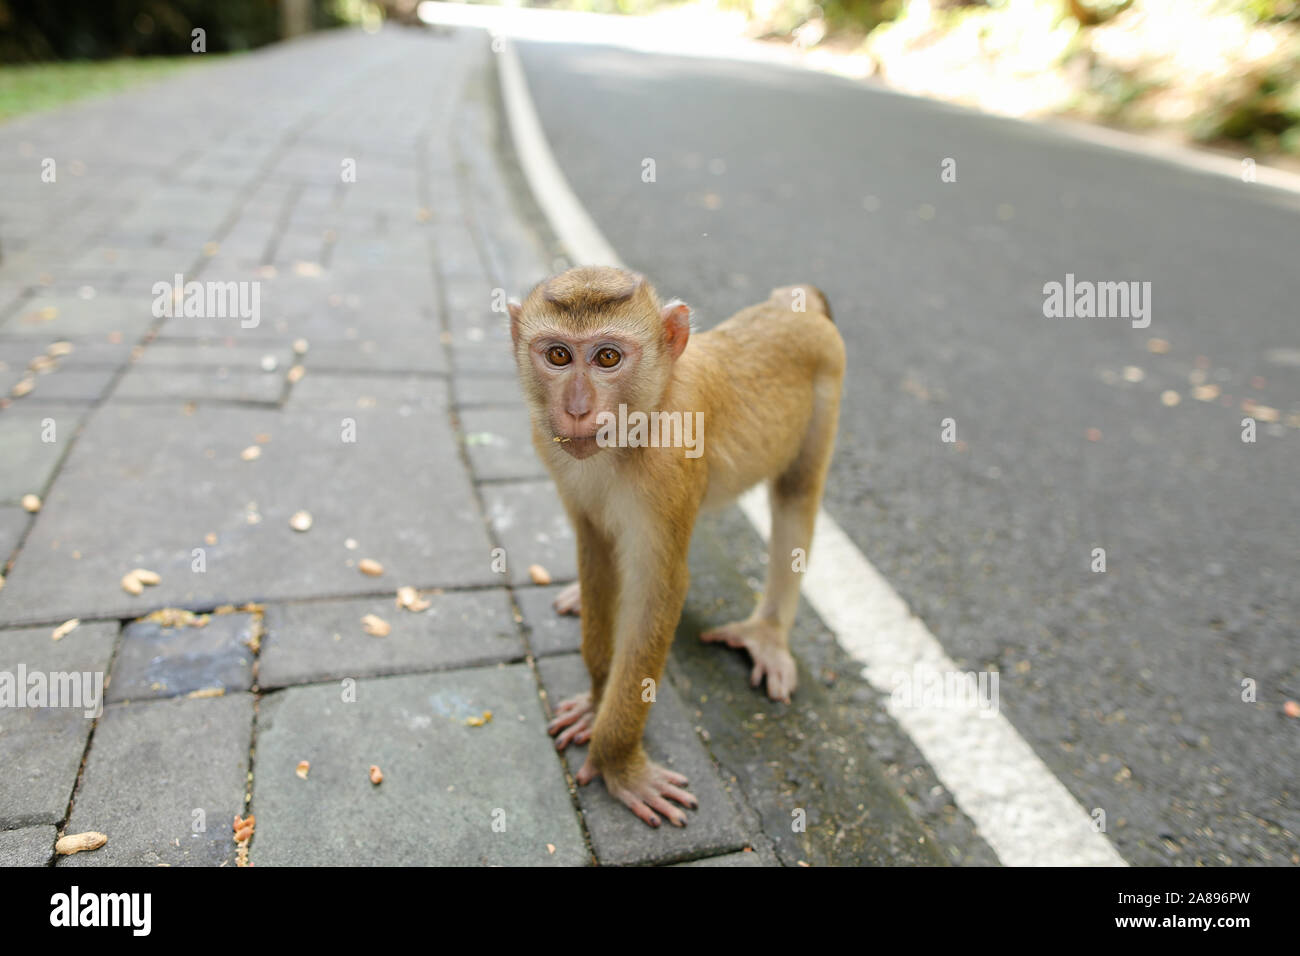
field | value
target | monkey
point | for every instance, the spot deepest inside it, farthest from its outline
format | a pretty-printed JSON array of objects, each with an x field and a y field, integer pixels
[{"x": 594, "y": 347}]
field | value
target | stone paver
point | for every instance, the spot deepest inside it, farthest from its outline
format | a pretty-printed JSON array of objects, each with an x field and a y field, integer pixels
[
  {"x": 529, "y": 521},
  {"x": 406, "y": 395},
  {"x": 497, "y": 390},
  {"x": 50, "y": 316},
  {"x": 41, "y": 747},
  {"x": 616, "y": 835},
  {"x": 548, "y": 632},
  {"x": 68, "y": 385},
  {"x": 155, "y": 661},
  {"x": 164, "y": 782},
  {"x": 325, "y": 640},
  {"x": 13, "y": 521},
  {"x": 175, "y": 479},
  {"x": 751, "y": 858},
  {"x": 497, "y": 440},
  {"x": 218, "y": 384},
  {"x": 29, "y": 461},
  {"x": 30, "y": 846},
  {"x": 445, "y": 783}
]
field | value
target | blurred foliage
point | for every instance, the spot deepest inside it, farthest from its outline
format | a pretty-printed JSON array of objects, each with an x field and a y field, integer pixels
[
  {"x": 29, "y": 87},
  {"x": 1214, "y": 70},
  {"x": 33, "y": 30}
]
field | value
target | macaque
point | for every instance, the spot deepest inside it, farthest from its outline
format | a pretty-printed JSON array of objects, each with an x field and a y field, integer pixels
[{"x": 754, "y": 400}]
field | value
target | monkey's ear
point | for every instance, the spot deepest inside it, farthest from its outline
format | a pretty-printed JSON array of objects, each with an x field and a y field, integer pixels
[
  {"x": 676, "y": 316},
  {"x": 516, "y": 315}
]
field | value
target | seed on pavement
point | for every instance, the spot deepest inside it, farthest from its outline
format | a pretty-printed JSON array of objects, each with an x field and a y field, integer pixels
[
  {"x": 301, "y": 521},
  {"x": 76, "y": 842},
  {"x": 376, "y": 626},
  {"x": 371, "y": 567},
  {"x": 31, "y": 503}
]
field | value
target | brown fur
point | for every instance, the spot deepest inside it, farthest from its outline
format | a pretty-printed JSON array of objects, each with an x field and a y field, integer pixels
[{"x": 768, "y": 382}]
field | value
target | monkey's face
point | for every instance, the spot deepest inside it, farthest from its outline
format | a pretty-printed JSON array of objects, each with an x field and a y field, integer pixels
[
  {"x": 590, "y": 344},
  {"x": 584, "y": 380}
]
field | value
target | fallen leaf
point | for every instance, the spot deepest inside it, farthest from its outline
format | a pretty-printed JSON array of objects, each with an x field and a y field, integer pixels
[
  {"x": 23, "y": 387},
  {"x": 64, "y": 629},
  {"x": 251, "y": 453},
  {"x": 206, "y": 692},
  {"x": 303, "y": 768},
  {"x": 371, "y": 567},
  {"x": 479, "y": 721},
  {"x": 131, "y": 584},
  {"x": 376, "y": 626},
  {"x": 1291, "y": 709},
  {"x": 1170, "y": 398},
  {"x": 376, "y": 775},
  {"x": 539, "y": 574}
]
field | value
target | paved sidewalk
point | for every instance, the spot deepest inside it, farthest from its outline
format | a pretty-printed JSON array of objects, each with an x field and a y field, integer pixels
[{"x": 376, "y": 392}]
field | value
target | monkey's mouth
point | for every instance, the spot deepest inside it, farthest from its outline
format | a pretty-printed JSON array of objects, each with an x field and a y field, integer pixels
[{"x": 579, "y": 446}]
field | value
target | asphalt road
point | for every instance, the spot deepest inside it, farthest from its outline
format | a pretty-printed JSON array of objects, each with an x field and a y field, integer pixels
[{"x": 1127, "y": 683}]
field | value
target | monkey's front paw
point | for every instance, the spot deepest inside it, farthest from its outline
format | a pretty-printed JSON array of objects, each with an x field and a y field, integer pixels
[
  {"x": 646, "y": 790},
  {"x": 767, "y": 649},
  {"x": 569, "y": 601},
  {"x": 578, "y": 716}
]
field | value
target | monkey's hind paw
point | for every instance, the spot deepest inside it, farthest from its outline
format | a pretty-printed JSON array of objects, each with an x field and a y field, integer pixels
[
  {"x": 569, "y": 601},
  {"x": 578, "y": 716},
  {"x": 767, "y": 649},
  {"x": 648, "y": 790}
]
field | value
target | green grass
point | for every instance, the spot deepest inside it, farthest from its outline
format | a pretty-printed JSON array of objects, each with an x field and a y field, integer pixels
[{"x": 42, "y": 86}]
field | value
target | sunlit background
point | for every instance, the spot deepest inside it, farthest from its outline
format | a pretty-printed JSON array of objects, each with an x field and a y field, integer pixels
[{"x": 1224, "y": 73}]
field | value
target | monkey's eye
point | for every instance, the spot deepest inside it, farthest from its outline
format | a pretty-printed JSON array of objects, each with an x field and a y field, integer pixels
[
  {"x": 558, "y": 355},
  {"x": 608, "y": 358}
]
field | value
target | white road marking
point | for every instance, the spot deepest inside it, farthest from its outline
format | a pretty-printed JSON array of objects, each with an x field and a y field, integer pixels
[{"x": 1024, "y": 813}]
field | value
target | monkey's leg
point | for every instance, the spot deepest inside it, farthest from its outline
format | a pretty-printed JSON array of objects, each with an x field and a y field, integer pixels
[
  {"x": 598, "y": 576},
  {"x": 794, "y": 498},
  {"x": 647, "y": 617}
]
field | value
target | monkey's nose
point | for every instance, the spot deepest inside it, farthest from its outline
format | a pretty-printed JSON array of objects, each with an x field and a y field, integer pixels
[{"x": 580, "y": 422}]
